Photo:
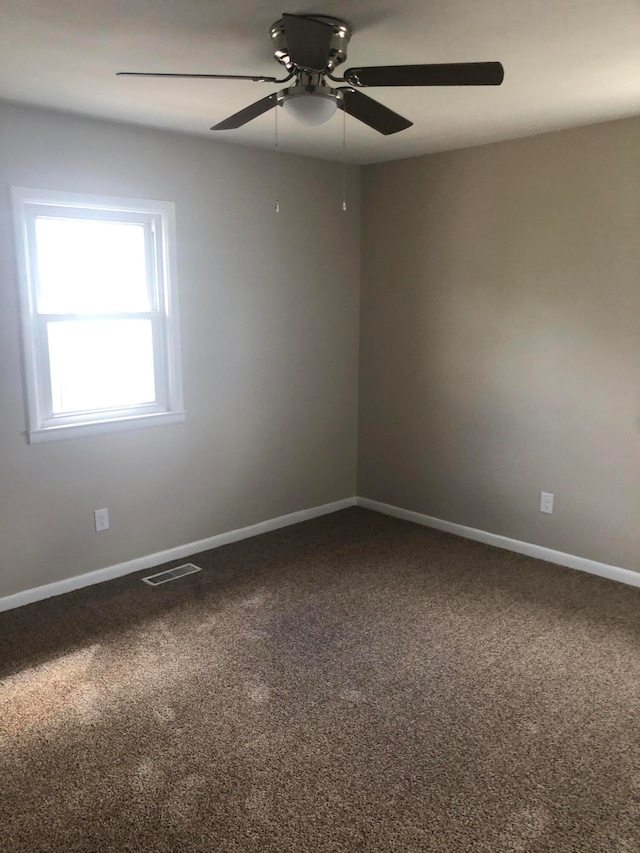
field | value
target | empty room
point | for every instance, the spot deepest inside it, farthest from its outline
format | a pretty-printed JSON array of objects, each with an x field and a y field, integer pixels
[{"x": 320, "y": 434}]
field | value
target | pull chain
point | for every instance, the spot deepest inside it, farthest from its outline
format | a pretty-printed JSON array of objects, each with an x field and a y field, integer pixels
[
  {"x": 344, "y": 161},
  {"x": 277, "y": 150}
]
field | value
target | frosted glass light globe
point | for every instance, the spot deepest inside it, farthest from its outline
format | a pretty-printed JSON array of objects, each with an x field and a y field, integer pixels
[{"x": 310, "y": 108}]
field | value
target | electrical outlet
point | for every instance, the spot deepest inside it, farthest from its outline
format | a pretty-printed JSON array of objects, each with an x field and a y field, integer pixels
[
  {"x": 102, "y": 519},
  {"x": 546, "y": 502}
]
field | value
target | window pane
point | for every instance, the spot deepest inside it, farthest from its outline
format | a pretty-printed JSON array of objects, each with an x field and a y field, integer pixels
[
  {"x": 89, "y": 266},
  {"x": 98, "y": 364}
]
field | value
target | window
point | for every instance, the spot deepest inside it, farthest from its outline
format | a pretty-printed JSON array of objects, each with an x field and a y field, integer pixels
[{"x": 100, "y": 330}]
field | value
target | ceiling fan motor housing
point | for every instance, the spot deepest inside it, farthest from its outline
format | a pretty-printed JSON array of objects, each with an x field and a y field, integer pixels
[{"x": 338, "y": 44}]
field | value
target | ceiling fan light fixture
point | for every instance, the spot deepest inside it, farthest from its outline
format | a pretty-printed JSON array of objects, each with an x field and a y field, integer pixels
[
  {"x": 309, "y": 105},
  {"x": 311, "y": 47}
]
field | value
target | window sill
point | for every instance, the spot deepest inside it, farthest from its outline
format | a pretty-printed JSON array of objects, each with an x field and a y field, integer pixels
[{"x": 65, "y": 431}]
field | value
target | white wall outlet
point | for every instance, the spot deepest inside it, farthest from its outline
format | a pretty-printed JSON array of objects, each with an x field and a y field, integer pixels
[
  {"x": 546, "y": 502},
  {"x": 102, "y": 519}
]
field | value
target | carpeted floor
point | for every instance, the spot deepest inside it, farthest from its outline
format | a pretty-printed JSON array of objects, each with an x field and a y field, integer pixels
[{"x": 354, "y": 683}]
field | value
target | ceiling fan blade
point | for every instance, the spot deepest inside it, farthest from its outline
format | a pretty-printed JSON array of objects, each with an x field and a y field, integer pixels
[
  {"x": 371, "y": 112},
  {"x": 447, "y": 74},
  {"x": 248, "y": 113},
  {"x": 257, "y": 78},
  {"x": 308, "y": 41}
]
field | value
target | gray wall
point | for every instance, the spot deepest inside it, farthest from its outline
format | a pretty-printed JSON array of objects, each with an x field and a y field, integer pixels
[
  {"x": 499, "y": 345},
  {"x": 269, "y": 321},
  {"x": 500, "y": 338}
]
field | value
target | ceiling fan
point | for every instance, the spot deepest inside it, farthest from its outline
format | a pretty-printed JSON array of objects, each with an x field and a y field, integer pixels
[{"x": 311, "y": 47}]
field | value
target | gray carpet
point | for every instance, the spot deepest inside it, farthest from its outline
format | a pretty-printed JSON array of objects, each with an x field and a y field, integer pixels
[{"x": 354, "y": 683}]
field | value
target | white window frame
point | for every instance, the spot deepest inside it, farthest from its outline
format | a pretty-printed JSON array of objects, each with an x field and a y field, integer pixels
[{"x": 158, "y": 218}]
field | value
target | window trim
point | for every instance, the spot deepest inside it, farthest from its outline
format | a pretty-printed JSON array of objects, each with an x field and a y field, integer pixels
[{"x": 42, "y": 424}]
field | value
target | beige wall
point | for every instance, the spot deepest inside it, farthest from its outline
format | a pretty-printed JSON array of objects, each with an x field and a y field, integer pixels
[
  {"x": 269, "y": 311},
  {"x": 500, "y": 338},
  {"x": 499, "y": 345}
]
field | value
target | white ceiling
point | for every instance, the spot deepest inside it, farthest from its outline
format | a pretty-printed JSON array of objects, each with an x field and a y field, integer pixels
[{"x": 567, "y": 63}]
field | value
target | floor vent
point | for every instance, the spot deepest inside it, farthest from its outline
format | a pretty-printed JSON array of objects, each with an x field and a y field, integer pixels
[{"x": 171, "y": 574}]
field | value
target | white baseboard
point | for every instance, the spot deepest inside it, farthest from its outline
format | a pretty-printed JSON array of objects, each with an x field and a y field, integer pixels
[
  {"x": 150, "y": 561},
  {"x": 28, "y": 596},
  {"x": 559, "y": 557}
]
